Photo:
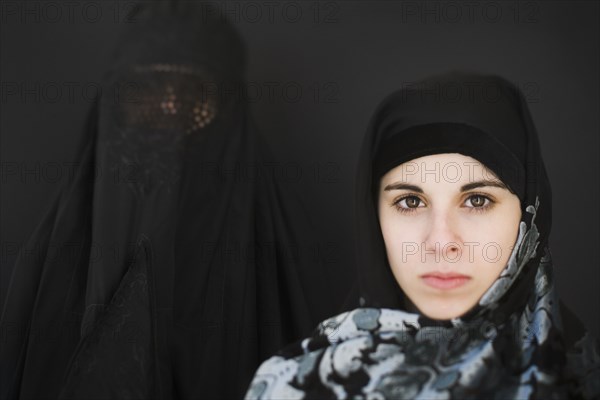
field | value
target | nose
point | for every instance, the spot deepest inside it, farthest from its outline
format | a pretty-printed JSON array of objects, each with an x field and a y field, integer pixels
[{"x": 443, "y": 238}]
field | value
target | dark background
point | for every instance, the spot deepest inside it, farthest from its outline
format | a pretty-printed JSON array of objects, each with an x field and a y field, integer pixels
[{"x": 328, "y": 64}]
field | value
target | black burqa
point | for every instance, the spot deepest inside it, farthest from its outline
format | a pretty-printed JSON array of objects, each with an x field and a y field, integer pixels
[
  {"x": 175, "y": 260},
  {"x": 518, "y": 341}
]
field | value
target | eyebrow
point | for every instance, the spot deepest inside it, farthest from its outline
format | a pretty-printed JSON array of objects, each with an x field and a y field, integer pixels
[{"x": 463, "y": 188}]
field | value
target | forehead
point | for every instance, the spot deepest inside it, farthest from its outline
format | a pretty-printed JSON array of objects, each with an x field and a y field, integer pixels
[{"x": 439, "y": 168}]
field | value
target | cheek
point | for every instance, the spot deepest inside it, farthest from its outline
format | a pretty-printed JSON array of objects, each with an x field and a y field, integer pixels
[
  {"x": 402, "y": 240},
  {"x": 496, "y": 244},
  {"x": 399, "y": 250}
]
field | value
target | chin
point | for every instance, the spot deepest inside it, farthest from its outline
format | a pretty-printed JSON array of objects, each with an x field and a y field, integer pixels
[{"x": 443, "y": 311}]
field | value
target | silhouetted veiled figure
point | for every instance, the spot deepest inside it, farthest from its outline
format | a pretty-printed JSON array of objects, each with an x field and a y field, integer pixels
[{"x": 170, "y": 266}]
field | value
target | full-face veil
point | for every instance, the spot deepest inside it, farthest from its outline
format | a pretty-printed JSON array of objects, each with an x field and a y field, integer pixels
[{"x": 174, "y": 262}]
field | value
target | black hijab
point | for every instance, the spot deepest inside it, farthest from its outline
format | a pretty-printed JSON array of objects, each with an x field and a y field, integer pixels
[
  {"x": 175, "y": 261},
  {"x": 519, "y": 341},
  {"x": 484, "y": 117}
]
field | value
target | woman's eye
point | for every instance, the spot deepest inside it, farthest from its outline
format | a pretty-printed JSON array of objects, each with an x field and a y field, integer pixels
[
  {"x": 408, "y": 202},
  {"x": 412, "y": 202},
  {"x": 477, "y": 201}
]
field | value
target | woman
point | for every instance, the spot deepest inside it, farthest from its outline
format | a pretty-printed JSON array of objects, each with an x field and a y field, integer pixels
[{"x": 457, "y": 300}]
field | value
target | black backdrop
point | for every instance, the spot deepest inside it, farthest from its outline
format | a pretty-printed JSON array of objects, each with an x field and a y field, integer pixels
[{"x": 316, "y": 70}]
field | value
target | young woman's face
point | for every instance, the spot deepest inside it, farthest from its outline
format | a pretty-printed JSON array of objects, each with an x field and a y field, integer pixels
[{"x": 449, "y": 226}]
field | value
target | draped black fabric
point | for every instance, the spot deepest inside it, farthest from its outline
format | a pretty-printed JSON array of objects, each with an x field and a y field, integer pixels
[
  {"x": 175, "y": 260},
  {"x": 517, "y": 342}
]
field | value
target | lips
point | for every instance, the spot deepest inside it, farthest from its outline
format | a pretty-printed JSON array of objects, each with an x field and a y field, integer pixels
[{"x": 445, "y": 280}]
